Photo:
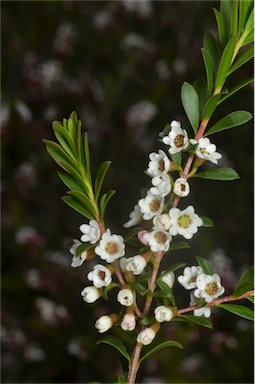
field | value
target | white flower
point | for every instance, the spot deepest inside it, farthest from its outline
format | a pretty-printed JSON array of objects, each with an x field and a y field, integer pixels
[
  {"x": 208, "y": 287},
  {"x": 162, "y": 220},
  {"x": 159, "y": 163},
  {"x": 77, "y": 260},
  {"x": 136, "y": 264},
  {"x": 91, "y": 232},
  {"x": 163, "y": 313},
  {"x": 128, "y": 322},
  {"x": 146, "y": 336},
  {"x": 125, "y": 297},
  {"x": 168, "y": 279},
  {"x": 151, "y": 205},
  {"x": 177, "y": 138},
  {"x": 203, "y": 311},
  {"x": 111, "y": 247},
  {"x": 158, "y": 239},
  {"x": 189, "y": 277},
  {"x": 162, "y": 185},
  {"x": 100, "y": 276},
  {"x": 135, "y": 217},
  {"x": 185, "y": 222},
  {"x": 90, "y": 294},
  {"x": 103, "y": 323},
  {"x": 206, "y": 150},
  {"x": 181, "y": 187}
]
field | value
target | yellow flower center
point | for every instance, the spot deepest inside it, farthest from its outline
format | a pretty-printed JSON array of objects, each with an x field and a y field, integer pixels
[
  {"x": 211, "y": 289},
  {"x": 155, "y": 205},
  {"x": 184, "y": 221},
  {"x": 179, "y": 140},
  {"x": 112, "y": 247},
  {"x": 160, "y": 237}
]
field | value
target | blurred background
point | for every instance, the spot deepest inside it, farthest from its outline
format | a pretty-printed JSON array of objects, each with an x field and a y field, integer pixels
[{"x": 120, "y": 65}]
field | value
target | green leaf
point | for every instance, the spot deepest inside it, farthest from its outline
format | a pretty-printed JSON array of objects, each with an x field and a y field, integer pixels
[
  {"x": 207, "y": 222},
  {"x": 59, "y": 155},
  {"x": 243, "y": 12},
  {"x": 72, "y": 123},
  {"x": 251, "y": 299},
  {"x": 121, "y": 380},
  {"x": 190, "y": 103},
  {"x": 147, "y": 320},
  {"x": 172, "y": 269},
  {"x": 239, "y": 310},
  {"x": 210, "y": 44},
  {"x": 232, "y": 120},
  {"x": 179, "y": 245},
  {"x": 86, "y": 153},
  {"x": 165, "y": 344},
  {"x": 116, "y": 343},
  {"x": 64, "y": 139},
  {"x": 222, "y": 174},
  {"x": 104, "y": 201},
  {"x": 100, "y": 177},
  {"x": 166, "y": 290},
  {"x": 73, "y": 203},
  {"x": 221, "y": 27},
  {"x": 245, "y": 283},
  {"x": 197, "y": 320},
  {"x": 250, "y": 23},
  {"x": 205, "y": 265},
  {"x": 70, "y": 181},
  {"x": 239, "y": 86},
  {"x": 176, "y": 158},
  {"x": 225, "y": 10},
  {"x": 248, "y": 55},
  {"x": 200, "y": 86},
  {"x": 225, "y": 62},
  {"x": 210, "y": 106},
  {"x": 249, "y": 39},
  {"x": 84, "y": 200},
  {"x": 234, "y": 18},
  {"x": 83, "y": 248},
  {"x": 209, "y": 67}
]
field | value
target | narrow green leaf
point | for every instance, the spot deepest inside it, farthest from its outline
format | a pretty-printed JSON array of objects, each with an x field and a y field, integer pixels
[
  {"x": 249, "y": 39},
  {"x": 209, "y": 67},
  {"x": 147, "y": 320},
  {"x": 210, "y": 106},
  {"x": 166, "y": 290},
  {"x": 73, "y": 203},
  {"x": 86, "y": 153},
  {"x": 243, "y": 12},
  {"x": 100, "y": 177},
  {"x": 116, "y": 343},
  {"x": 165, "y": 344},
  {"x": 84, "y": 200},
  {"x": 177, "y": 158},
  {"x": 225, "y": 62},
  {"x": 239, "y": 310},
  {"x": 237, "y": 88},
  {"x": 248, "y": 55},
  {"x": 60, "y": 156},
  {"x": 190, "y": 103},
  {"x": 205, "y": 265},
  {"x": 72, "y": 123},
  {"x": 121, "y": 380},
  {"x": 232, "y": 120},
  {"x": 234, "y": 18},
  {"x": 221, "y": 28},
  {"x": 64, "y": 139},
  {"x": 246, "y": 282},
  {"x": 83, "y": 248},
  {"x": 207, "y": 222},
  {"x": 222, "y": 174},
  {"x": 249, "y": 26},
  {"x": 70, "y": 181},
  {"x": 131, "y": 234},
  {"x": 197, "y": 320},
  {"x": 251, "y": 299},
  {"x": 172, "y": 269},
  {"x": 211, "y": 45},
  {"x": 201, "y": 88},
  {"x": 225, "y": 10},
  {"x": 179, "y": 245},
  {"x": 104, "y": 201}
]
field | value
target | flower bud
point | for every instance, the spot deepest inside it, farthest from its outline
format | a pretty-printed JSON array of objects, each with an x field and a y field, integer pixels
[
  {"x": 146, "y": 336},
  {"x": 181, "y": 187},
  {"x": 136, "y": 264},
  {"x": 90, "y": 294},
  {"x": 125, "y": 297},
  {"x": 168, "y": 279},
  {"x": 163, "y": 313},
  {"x": 128, "y": 322},
  {"x": 104, "y": 323}
]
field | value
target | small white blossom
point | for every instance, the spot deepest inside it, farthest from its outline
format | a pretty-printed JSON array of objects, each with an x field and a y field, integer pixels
[
  {"x": 203, "y": 311},
  {"x": 184, "y": 222},
  {"x": 162, "y": 220},
  {"x": 103, "y": 323},
  {"x": 163, "y": 313},
  {"x": 151, "y": 205},
  {"x": 159, "y": 163},
  {"x": 77, "y": 260},
  {"x": 134, "y": 217},
  {"x": 146, "y": 336},
  {"x": 161, "y": 185},
  {"x": 100, "y": 276},
  {"x": 168, "y": 279},
  {"x": 177, "y": 138},
  {"x": 91, "y": 232},
  {"x": 206, "y": 150},
  {"x": 189, "y": 277},
  {"x": 208, "y": 287},
  {"x": 125, "y": 297},
  {"x": 128, "y": 322},
  {"x": 158, "y": 239},
  {"x": 111, "y": 247},
  {"x": 181, "y": 187},
  {"x": 136, "y": 264},
  {"x": 90, "y": 294}
]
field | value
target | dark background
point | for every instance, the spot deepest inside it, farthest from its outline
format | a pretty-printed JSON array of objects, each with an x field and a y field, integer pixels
[{"x": 102, "y": 59}]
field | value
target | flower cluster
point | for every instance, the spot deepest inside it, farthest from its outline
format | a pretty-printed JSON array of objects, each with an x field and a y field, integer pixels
[{"x": 205, "y": 288}]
